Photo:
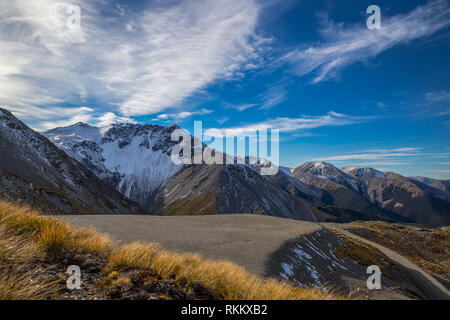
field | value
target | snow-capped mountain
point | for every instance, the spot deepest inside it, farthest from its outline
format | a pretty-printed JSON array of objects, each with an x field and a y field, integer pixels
[
  {"x": 325, "y": 171},
  {"x": 377, "y": 193},
  {"x": 33, "y": 170},
  {"x": 441, "y": 185},
  {"x": 134, "y": 158},
  {"x": 363, "y": 172}
]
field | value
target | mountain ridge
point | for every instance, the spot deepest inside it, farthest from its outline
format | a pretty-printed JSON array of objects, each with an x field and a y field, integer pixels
[
  {"x": 357, "y": 191},
  {"x": 35, "y": 171},
  {"x": 402, "y": 197}
]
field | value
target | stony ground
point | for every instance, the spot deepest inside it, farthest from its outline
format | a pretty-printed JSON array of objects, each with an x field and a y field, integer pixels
[{"x": 130, "y": 284}]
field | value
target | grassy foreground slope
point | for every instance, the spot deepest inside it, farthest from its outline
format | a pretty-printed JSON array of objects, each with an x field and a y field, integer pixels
[{"x": 35, "y": 252}]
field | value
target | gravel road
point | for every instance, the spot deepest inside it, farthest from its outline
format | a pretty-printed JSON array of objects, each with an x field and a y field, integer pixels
[{"x": 245, "y": 239}]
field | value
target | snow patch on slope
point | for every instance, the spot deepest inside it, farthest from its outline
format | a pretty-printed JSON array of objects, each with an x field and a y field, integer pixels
[{"x": 363, "y": 172}]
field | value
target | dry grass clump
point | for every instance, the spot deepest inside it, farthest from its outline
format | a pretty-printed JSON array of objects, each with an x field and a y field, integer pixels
[
  {"x": 53, "y": 237},
  {"x": 21, "y": 276},
  {"x": 224, "y": 279},
  {"x": 427, "y": 247},
  {"x": 49, "y": 239}
]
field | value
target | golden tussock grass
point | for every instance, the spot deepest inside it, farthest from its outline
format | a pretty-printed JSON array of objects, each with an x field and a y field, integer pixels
[
  {"x": 47, "y": 238},
  {"x": 21, "y": 276},
  {"x": 224, "y": 279}
]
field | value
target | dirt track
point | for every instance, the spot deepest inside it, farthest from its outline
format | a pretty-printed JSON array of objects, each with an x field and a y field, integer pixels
[
  {"x": 247, "y": 240},
  {"x": 429, "y": 285}
]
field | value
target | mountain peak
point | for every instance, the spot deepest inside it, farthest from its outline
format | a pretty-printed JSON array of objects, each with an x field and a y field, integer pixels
[
  {"x": 363, "y": 172},
  {"x": 324, "y": 171},
  {"x": 7, "y": 115},
  {"x": 79, "y": 124},
  {"x": 80, "y": 130},
  {"x": 317, "y": 164},
  {"x": 135, "y": 158},
  {"x": 82, "y": 124},
  {"x": 319, "y": 168},
  {"x": 33, "y": 168},
  {"x": 5, "y": 112}
]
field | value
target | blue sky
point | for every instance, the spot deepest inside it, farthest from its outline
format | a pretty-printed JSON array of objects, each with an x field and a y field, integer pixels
[{"x": 337, "y": 91}]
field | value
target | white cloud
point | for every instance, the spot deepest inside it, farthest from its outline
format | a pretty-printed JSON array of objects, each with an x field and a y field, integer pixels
[
  {"x": 222, "y": 120},
  {"x": 122, "y": 11},
  {"x": 285, "y": 124},
  {"x": 182, "y": 115},
  {"x": 183, "y": 49},
  {"x": 367, "y": 156},
  {"x": 110, "y": 118},
  {"x": 274, "y": 96},
  {"x": 52, "y": 117},
  {"x": 394, "y": 155},
  {"x": 440, "y": 155},
  {"x": 241, "y": 107},
  {"x": 438, "y": 96},
  {"x": 343, "y": 46},
  {"x": 139, "y": 62},
  {"x": 383, "y": 163},
  {"x": 266, "y": 100},
  {"x": 407, "y": 149}
]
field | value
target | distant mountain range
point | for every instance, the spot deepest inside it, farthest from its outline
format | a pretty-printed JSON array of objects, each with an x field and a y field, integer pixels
[
  {"x": 376, "y": 193},
  {"x": 135, "y": 160}
]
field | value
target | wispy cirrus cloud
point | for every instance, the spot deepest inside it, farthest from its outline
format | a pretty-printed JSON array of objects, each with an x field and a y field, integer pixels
[
  {"x": 286, "y": 124},
  {"x": 187, "y": 47},
  {"x": 378, "y": 154},
  {"x": 438, "y": 171},
  {"x": 48, "y": 118},
  {"x": 384, "y": 163},
  {"x": 182, "y": 115},
  {"x": 368, "y": 156},
  {"x": 133, "y": 63},
  {"x": 438, "y": 96},
  {"x": 434, "y": 104},
  {"x": 241, "y": 107},
  {"x": 344, "y": 45},
  {"x": 406, "y": 149},
  {"x": 266, "y": 100},
  {"x": 273, "y": 97}
]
